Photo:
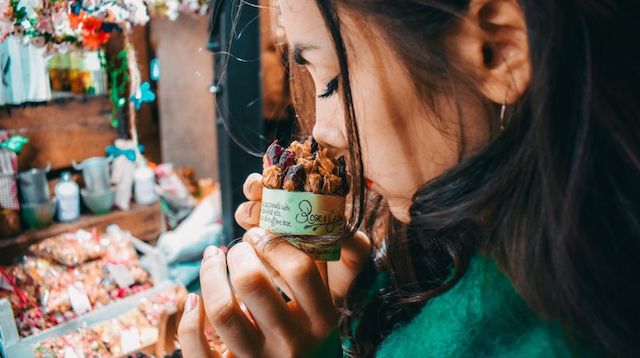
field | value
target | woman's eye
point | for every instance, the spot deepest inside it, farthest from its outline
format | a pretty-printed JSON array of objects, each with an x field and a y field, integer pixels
[{"x": 332, "y": 87}]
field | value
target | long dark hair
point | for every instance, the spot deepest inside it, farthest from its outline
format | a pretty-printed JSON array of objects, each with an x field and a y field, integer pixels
[{"x": 554, "y": 198}]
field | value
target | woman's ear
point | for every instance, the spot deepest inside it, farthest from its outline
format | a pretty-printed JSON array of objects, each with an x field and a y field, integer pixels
[{"x": 493, "y": 40}]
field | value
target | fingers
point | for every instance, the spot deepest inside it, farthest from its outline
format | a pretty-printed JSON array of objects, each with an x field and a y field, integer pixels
[
  {"x": 247, "y": 214},
  {"x": 355, "y": 252},
  {"x": 302, "y": 277},
  {"x": 222, "y": 309},
  {"x": 255, "y": 289},
  {"x": 191, "y": 330},
  {"x": 252, "y": 187}
]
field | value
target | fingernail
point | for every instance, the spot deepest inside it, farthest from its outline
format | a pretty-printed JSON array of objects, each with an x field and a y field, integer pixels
[
  {"x": 256, "y": 237},
  {"x": 211, "y": 251},
  {"x": 192, "y": 302}
]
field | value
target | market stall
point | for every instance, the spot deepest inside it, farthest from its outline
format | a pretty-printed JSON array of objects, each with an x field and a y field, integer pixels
[{"x": 119, "y": 164}]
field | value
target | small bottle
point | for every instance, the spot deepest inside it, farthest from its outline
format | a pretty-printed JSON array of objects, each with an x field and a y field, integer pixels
[
  {"x": 68, "y": 195},
  {"x": 144, "y": 181}
]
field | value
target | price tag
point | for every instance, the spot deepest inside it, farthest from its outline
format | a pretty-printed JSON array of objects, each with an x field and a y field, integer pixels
[
  {"x": 83, "y": 235},
  {"x": 121, "y": 275},
  {"x": 73, "y": 353},
  {"x": 130, "y": 340},
  {"x": 148, "y": 336},
  {"x": 4, "y": 284},
  {"x": 79, "y": 299}
]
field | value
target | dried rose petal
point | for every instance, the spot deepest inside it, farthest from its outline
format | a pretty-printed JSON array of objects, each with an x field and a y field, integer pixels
[
  {"x": 287, "y": 159},
  {"x": 295, "y": 178},
  {"x": 326, "y": 165},
  {"x": 313, "y": 183},
  {"x": 273, "y": 153},
  {"x": 272, "y": 177},
  {"x": 331, "y": 184},
  {"x": 308, "y": 164}
]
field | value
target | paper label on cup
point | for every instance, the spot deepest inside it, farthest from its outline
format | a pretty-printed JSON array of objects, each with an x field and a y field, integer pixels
[{"x": 301, "y": 213}]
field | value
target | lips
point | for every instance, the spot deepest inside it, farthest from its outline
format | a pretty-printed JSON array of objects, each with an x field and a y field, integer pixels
[{"x": 368, "y": 183}]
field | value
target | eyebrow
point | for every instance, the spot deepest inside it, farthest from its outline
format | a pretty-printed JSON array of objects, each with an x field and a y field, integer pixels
[{"x": 298, "y": 49}]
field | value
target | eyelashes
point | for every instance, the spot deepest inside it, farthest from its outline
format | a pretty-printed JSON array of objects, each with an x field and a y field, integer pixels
[{"x": 332, "y": 87}]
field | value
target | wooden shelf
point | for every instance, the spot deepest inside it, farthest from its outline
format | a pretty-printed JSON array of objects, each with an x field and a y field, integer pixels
[
  {"x": 144, "y": 222},
  {"x": 61, "y": 131}
]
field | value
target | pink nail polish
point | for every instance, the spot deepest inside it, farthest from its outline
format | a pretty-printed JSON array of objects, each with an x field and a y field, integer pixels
[
  {"x": 192, "y": 302},
  {"x": 256, "y": 237},
  {"x": 211, "y": 251}
]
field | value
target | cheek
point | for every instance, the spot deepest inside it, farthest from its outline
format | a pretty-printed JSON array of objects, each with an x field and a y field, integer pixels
[
  {"x": 402, "y": 149},
  {"x": 387, "y": 143}
]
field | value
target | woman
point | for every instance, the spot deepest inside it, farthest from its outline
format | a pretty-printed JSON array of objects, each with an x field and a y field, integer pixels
[{"x": 503, "y": 135}]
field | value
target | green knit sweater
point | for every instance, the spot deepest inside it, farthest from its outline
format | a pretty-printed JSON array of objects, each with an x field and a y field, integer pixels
[{"x": 481, "y": 316}]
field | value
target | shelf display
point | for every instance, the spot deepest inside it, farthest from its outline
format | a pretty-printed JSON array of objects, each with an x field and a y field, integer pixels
[
  {"x": 70, "y": 275},
  {"x": 125, "y": 334}
]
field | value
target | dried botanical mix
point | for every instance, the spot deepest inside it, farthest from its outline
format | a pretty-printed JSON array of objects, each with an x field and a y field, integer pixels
[{"x": 304, "y": 166}]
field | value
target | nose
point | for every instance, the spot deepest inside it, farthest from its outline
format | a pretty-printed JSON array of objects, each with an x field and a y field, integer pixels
[{"x": 330, "y": 137}]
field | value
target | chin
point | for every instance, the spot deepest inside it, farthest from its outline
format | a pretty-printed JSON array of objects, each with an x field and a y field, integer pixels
[{"x": 400, "y": 209}]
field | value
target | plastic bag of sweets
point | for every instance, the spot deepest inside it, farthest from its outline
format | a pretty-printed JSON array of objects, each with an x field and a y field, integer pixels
[
  {"x": 303, "y": 199},
  {"x": 120, "y": 251},
  {"x": 51, "y": 280},
  {"x": 83, "y": 343},
  {"x": 127, "y": 333},
  {"x": 91, "y": 276},
  {"x": 166, "y": 301},
  {"x": 70, "y": 249},
  {"x": 18, "y": 287}
]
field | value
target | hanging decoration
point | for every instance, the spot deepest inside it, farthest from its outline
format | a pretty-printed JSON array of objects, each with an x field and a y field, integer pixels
[
  {"x": 64, "y": 25},
  {"x": 173, "y": 8},
  {"x": 118, "y": 72},
  {"x": 143, "y": 95},
  {"x": 6, "y": 19},
  {"x": 14, "y": 143}
]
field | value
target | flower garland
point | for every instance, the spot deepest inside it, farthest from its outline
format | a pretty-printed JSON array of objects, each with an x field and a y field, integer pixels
[
  {"x": 173, "y": 8},
  {"x": 62, "y": 25}
]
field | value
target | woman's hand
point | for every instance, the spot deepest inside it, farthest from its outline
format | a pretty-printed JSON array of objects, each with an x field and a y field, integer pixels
[
  {"x": 272, "y": 327},
  {"x": 337, "y": 274}
]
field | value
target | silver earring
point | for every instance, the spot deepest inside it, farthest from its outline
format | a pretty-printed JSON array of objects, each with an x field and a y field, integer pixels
[{"x": 503, "y": 111}]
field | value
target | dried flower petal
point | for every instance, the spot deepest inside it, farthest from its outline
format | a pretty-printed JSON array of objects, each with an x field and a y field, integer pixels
[
  {"x": 295, "y": 178},
  {"x": 287, "y": 159},
  {"x": 273, "y": 153},
  {"x": 313, "y": 183},
  {"x": 331, "y": 184},
  {"x": 272, "y": 177},
  {"x": 308, "y": 164},
  {"x": 326, "y": 165}
]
